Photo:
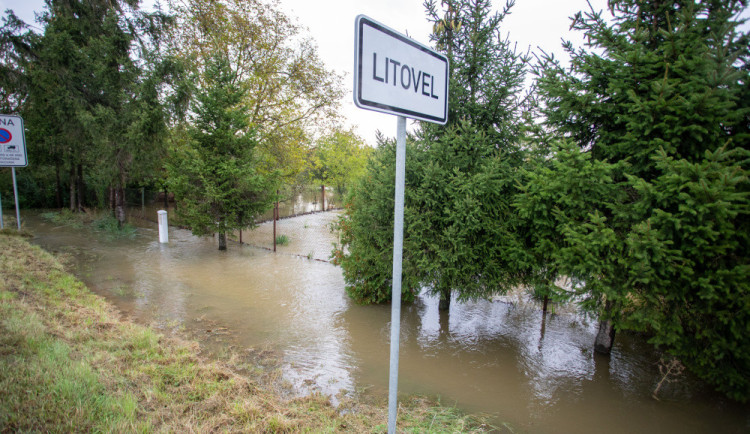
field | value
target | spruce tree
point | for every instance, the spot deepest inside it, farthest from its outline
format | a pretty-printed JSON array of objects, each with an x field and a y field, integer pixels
[
  {"x": 657, "y": 234},
  {"x": 89, "y": 88},
  {"x": 214, "y": 174},
  {"x": 460, "y": 178}
]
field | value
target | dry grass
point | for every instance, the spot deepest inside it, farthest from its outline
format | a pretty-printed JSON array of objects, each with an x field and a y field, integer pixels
[{"x": 68, "y": 362}]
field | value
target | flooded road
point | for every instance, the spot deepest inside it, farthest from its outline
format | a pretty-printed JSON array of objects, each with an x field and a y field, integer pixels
[{"x": 501, "y": 357}]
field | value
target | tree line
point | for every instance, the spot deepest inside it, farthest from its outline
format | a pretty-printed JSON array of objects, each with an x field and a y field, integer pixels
[
  {"x": 624, "y": 173},
  {"x": 222, "y": 103}
]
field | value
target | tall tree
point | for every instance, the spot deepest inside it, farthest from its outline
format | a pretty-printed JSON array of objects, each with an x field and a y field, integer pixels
[
  {"x": 657, "y": 234},
  {"x": 215, "y": 175},
  {"x": 288, "y": 92},
  {"x": 366, "y": 230},
  {"x": 460, "y": 177},
  {"x": 91, "y": 94},
  {"x": 339, "y": 159}
]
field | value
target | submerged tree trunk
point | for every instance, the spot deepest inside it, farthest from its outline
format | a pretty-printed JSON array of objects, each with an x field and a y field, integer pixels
[
  {"x": 605, "y": 338},
  {"x": 445, "y": 299},
  {"x": 111, "y": 201},
  {"x": 58, "y": 187},
  {"x": 445, "y": 322},
  {"x": 120, "y": 206},
  {"x": 222, "y": 241},
  {"x": 81, "y": 188},
  {"x": 72, "y": 179}
]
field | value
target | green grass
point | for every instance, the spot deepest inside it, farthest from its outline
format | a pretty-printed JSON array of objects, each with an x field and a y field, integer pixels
[
  {"x": 103, "y": 224},
  {"x": 67, "y": 217},
  {"x": 69, "y": 363},
  {"x": 13, "y": 231},
  {"x": 45, "y": 382},
  {"x": 282, "y": 240},
  {"x": 109, "y": 226}
]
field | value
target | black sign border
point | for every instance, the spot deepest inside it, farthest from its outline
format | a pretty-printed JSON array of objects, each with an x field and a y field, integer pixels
[{"x": 384, "y": 108}]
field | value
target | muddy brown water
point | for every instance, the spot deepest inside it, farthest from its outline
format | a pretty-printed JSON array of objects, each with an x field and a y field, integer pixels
[{"x": 500, "y": 357}]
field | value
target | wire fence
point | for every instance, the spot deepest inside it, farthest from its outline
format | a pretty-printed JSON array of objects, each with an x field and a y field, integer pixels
[
  {"x": 303, "y": 225},
  {"x": 310, "y": 235}
]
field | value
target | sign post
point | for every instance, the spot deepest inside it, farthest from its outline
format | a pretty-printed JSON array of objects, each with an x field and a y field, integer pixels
[
  {"x": 13, "y": 151},
  {"x": 394, "y": 74}
]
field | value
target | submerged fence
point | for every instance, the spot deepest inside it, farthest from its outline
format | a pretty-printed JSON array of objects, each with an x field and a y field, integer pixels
[
  {"x": 308, "y": 235},
  {"x": 303, "y": 224}
]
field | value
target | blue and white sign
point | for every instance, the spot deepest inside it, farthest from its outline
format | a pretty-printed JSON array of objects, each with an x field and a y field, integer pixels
[
  {"x": 12, "y": 142},
  {"x": 396, "y": 75}
]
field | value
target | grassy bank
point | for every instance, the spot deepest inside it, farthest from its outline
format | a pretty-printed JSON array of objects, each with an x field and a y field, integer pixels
[{"x": 68, "y": 362}]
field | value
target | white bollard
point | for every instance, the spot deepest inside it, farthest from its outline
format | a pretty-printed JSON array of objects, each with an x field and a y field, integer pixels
[{"x": 163, "y": 226}]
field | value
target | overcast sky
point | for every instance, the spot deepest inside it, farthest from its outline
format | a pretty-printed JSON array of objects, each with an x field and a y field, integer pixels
[{"x": 532, "y": 24}]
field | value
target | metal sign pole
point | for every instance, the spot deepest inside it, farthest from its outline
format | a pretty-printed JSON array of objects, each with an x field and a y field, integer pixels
[
  {"x": 15, "y": 194},
  {"x": 415, "y": 85},
  {"x": 1, "y": 212},
  {"x": 398, "y": 246}
]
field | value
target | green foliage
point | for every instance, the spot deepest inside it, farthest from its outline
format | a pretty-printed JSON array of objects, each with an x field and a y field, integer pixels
[
  {"x": 112, "y": 228},
  {"x": 282, "y": 240},
  {"x": 689, "y": 266},
  {"x": 366, "y": 229},
  {"x": 89, "y": 89},
  {"x": 106, "y": 225},
  {"x": 64, "y": 217},
  {"x": 288, "y": 92},
  {"x": 486, "y": 73},
  {"x": 460, "y": 178},
  {"x": 650, "y": 212},
  {"x": 214, "y": 174},
  {"x": 459, "y": 216},
  {"x": 554, "y": 196},
  {"x": 339, "y": 159}
]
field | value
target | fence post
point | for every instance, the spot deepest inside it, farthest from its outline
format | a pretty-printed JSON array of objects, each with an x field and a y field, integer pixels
[
  {"x": 275, "y": 217},
  {"x": 323, "y": 197}
]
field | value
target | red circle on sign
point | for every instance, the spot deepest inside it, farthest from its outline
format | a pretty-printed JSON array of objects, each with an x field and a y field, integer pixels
[{"x": 5, "y": 136}]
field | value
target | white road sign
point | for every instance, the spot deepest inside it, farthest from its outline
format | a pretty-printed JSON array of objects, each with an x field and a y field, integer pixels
[
  {"x": 12, "y": 142},
  {"x": 397, "y": 75}
]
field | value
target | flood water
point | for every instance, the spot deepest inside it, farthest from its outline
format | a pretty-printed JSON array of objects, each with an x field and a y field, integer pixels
[{"x": 499, "y": 357}]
